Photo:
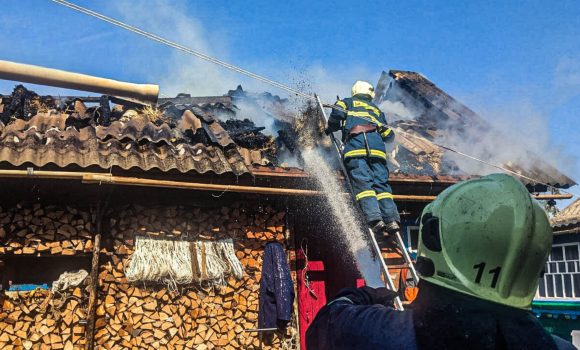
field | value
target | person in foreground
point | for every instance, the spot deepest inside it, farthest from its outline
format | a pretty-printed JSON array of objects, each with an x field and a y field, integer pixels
[{"x": 483, "y": 244}]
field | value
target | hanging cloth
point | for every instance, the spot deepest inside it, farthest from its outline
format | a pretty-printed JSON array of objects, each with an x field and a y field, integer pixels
[{"x": 276, "y": 289}]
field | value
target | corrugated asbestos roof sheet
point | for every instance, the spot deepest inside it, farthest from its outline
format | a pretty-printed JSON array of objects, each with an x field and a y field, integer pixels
[
  {"x": 569, "y": 216},
  {"x": 46, "y": 138}
]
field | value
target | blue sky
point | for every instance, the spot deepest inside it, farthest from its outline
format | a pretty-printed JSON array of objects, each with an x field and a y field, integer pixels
[{"x": 517, "y": 63}]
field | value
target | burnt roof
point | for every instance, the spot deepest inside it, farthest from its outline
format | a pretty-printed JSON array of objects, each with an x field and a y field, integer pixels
[
  {"x": 444, "y": 116},
  {"x": 433, "y": 96},
  {"x": 187, "y": 137}
]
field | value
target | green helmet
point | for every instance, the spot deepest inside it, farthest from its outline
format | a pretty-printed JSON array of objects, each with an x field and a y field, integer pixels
[{"x": 485, "y": 237}]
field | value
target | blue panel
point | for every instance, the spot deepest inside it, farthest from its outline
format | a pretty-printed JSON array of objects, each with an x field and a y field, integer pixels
[
  {"x": 556, "y": 312},
  {"x": 27, "y": 287}
]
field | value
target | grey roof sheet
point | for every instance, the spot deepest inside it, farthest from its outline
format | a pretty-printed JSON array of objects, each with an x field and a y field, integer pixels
[
  {"x": 45, "y": 139},
  {"x": 569, "y": 216}
]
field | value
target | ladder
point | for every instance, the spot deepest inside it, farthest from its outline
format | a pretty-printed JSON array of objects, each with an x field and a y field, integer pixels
[{"x": 374, "y": 244}]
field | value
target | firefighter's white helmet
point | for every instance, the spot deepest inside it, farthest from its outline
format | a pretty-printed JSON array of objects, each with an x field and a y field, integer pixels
[
  {"x": 363, "y": 88},
  {"x": 487, "y": 238}
]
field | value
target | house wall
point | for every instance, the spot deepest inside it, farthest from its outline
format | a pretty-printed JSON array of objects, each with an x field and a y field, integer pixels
[
  {"x": 559, "y": 315},
  {"x": 566, "y": 238}
]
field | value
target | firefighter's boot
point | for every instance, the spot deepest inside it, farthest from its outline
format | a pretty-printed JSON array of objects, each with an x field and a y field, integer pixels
[
  {"x": 380, "y": 230},
  {"x": 392, "y": 227}
]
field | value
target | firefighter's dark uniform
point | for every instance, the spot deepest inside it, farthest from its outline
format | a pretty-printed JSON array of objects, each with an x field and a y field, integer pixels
[
  {"x": 366, "y": 160},
  {"x": 439, "y": 319}
]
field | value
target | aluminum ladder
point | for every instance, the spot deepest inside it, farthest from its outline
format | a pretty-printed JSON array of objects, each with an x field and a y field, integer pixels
[{"x": 375, "y": 246}]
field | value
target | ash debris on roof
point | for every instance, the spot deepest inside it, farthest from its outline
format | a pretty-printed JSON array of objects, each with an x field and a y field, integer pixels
[
  {"x": 24, "y": 104},
  {"x": 427, "y": 115},
  {"x": 247, "y": 136},
  {"x": 172, "y": 136},
  {"x": 184, "y": 133},
  {"x": 265, "y": 127}
]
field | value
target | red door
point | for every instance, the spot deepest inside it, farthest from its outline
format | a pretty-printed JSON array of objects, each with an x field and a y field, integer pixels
[{"x": 311, "y": 292}]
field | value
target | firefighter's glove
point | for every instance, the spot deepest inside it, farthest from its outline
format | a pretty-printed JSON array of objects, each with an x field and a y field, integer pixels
[
  {"x": 381, "y": 296},
  {"x": 327, "y": 130}
]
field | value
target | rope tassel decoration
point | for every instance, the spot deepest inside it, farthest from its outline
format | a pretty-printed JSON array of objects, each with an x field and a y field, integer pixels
[{"x": 181, "y": 262}]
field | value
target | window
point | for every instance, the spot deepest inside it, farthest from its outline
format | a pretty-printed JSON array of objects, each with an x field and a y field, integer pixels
[
  {"x": 412, "y": 238},
  {"x": 562, "y": 273}
]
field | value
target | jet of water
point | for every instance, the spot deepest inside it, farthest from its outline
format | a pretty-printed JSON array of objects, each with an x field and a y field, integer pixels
[{"x": 345, "y": 217}]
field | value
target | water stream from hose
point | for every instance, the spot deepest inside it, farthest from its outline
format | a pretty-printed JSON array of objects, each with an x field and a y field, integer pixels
[{"x": 345, "y": 217}]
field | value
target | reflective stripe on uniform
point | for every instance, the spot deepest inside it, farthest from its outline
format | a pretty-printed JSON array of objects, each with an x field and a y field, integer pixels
[
  {"x": 366, "y": 106},
  {"x": 384, "y": 195},
  {"x": 341, "y": 104},
  {"x": 386, "y": 133},
  {"x": 364, "y": 194},
  {"x": 341, "y": 299},
  {"x": 366, "y": 116},
  {"x": 363, "y": 152}
]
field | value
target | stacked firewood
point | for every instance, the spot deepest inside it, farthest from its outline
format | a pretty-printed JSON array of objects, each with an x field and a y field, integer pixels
[
  {"x": 46, "y": 230},
  {"x": 257, "y": 224},
  {"x": 41, "y": 320},
  {"x": 144, "y": 315}
]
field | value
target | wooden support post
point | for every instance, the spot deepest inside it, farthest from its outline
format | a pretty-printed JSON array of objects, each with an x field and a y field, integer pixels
[
  {"x": 291, "y": 255},
  {"x": 90, "y": 330}
]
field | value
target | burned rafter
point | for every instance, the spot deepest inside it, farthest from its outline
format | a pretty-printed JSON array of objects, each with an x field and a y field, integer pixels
[{"x": 24, "y": 104}]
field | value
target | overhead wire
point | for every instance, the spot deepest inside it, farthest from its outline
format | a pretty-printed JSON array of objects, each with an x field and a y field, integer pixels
[
  {"x": 499, "y": 167},
  {"x": 261, "y": 78},
  {"x": 506, "y": 170},
  {"x": 189, "y": 51}
]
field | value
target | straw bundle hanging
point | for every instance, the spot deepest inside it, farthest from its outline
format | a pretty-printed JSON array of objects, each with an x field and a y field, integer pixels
[{"x": 181, "y": 262}]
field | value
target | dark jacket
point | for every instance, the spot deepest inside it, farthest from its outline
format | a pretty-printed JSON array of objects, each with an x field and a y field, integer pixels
[
  {"x": 439, "y": 319},
  {"x": 276, "y": 288},
  {"x": 360, "y": 111}
]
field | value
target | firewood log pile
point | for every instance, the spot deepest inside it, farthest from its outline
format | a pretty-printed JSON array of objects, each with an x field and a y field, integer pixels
[
  {"x": 144, "y": 315},
  {"x": 40, "y": 320},
  {"x": 45, "y": 230}
]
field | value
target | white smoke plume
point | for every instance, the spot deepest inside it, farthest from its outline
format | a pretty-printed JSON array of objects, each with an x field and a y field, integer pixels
[
  {"x": 399, "y": 104},
  {"x": 184, "y": 73},
  {"x": 520, "y": 128},
  {"x": 567, "y": 79}
]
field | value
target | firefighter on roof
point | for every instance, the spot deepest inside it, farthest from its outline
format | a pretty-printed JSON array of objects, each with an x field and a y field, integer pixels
[
  {"x": 364, "y": 133},
  {"x": 483, "y": 244}
]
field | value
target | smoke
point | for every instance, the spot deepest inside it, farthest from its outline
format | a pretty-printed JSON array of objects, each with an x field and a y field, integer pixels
[
  {"x": 184, "y": 73},
  {"x": 515, "y": 131},
  {"x": 255, "y": 113},
  {"x": 398, "y": 103},
  {"x": 522, "y": 127},
  {"x": 567, "y": 79}
]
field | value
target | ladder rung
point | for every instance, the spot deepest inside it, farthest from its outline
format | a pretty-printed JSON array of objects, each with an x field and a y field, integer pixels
[{"x": 399, "y": 267}]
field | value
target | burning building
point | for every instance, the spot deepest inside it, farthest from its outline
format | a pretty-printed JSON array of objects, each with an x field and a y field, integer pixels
[{"x": 88, "y": 178}]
